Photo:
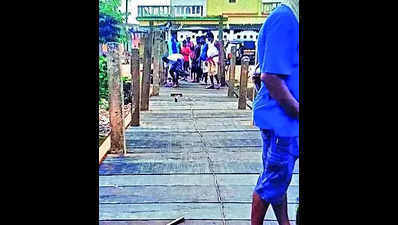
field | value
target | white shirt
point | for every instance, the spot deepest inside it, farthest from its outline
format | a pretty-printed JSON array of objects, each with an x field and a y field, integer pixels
[{"x": 211, "y": 50}]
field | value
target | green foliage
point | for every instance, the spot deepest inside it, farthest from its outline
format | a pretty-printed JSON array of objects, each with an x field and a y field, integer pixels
[
  {"x": 110, "y": 8},
  {"x": 103, "y": 79}
]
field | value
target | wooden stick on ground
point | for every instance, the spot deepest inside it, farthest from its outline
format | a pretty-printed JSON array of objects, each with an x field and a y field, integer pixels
[{"x": 180, "y": 219}]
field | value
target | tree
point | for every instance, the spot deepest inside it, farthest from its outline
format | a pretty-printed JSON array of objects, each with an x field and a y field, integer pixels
[{"x": 111, "y": 21}]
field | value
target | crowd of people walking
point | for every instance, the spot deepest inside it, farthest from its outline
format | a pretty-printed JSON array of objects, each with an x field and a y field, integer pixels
[{"x": 193, "y": 61}]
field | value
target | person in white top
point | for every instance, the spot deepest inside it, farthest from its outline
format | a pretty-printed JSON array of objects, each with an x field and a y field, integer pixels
[
  {"x": 175, "y": 68},
  {"x": 212, "y": 60}
]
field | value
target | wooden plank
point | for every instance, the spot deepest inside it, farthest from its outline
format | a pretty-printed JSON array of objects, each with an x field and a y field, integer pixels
[
  {"x": 158, "y": 194},
  {"x": 115, "y": 99},
  {"x": 157, "y": 211},
  {"x": 135, "y": 64},
  {"x": 242, "y": 211},
  {"x": 188, "y": 222},
  {"x": 183, "y": 194},
  {"x": 181, "y": 163},
  {"x": 165, "y": 167},
  {"x": 243, "y": 193},
  {"x": 133, "y": 180},
  {"x": 171, "y": 211},
  {"x": 180, "y": 179},
  {"x": 192, "y": 149},
  {"x": 239, "y": 179}
]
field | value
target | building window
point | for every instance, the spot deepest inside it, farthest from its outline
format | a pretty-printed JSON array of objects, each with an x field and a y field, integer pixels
[
  {"x": 244, "y": 37},
  {"x": 182, "y": 37},
  {"x": 251, "y": 36},
  {"x": 238, "y": 37},
  {"x": 269, "y": 6},
  {"x": 232, "y": 1},
  {"x": 225, "y": 36},
  {"x": 188, "y": 11},
  {"x": 256, "y": 37}
]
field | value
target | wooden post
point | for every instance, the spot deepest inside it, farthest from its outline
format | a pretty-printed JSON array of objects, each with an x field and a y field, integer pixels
[
  {"x": 115, "y": 99},
  {"x": 135, "y": 90},
  {"x": 156, "y": 65},
  {"x": 250, "y": 93},
  {"x": 165, "y": 68},
  {"x": 254, "y": 93},
  {"x": 243, "y": 82},
  {"x": 221, "y": 70},
  {"x": 231, "y": 80},
  {"x": 161, "y": 64},
  {"x": 146, "y": 81}
]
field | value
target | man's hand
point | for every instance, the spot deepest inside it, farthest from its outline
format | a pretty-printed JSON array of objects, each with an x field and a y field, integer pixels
[{"x": 279, "y": 91}]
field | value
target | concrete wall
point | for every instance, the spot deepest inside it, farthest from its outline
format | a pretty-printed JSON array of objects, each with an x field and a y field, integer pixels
[{"x": 218, "y": 7}]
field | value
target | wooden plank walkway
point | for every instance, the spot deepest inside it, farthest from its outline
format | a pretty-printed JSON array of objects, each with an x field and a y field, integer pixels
[{"x": 198, "y": 158}]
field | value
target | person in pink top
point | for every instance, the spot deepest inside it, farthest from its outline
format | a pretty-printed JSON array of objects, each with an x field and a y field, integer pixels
[{"x": 186, "y": 52}]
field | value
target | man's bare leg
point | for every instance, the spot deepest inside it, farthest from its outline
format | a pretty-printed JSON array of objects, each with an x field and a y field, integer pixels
[
  {"x": 259, "y": 208},
  {"x": 281, "y": 212}
]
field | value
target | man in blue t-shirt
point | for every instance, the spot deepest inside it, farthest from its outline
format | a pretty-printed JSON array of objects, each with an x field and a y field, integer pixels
[
  {"x": 276, "y": 110},
  {"x": 173, "y": 45}
]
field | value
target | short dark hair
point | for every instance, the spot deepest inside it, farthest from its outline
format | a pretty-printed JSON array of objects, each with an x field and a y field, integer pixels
[
  {"x": 210, "y": 34},
  {"x": 165, "y": 59}
]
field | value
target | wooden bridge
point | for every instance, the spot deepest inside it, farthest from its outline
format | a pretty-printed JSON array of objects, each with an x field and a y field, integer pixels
[{"x": 195, "y": 156}]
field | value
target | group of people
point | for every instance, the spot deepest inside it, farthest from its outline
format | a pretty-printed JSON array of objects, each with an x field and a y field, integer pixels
[{"x": 198, "y": 60}]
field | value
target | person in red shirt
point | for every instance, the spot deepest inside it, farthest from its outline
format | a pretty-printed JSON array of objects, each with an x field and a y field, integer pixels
[{"x": 185, "y": 51}]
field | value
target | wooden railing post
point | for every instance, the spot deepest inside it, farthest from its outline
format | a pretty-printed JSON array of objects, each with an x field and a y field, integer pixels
[
  {"x": 243, "y": 82},
  {"x": 135, "y": 90},
  {"x": 161, "y": 65},
  {"x": 165, "y": 68},
  {"x": 221, "y": 71},
  {"x": 250, "y": 91},
  {"x": 115, "y": 99},
  {"x": 231, "y": 80},
  {"x": 156, "y": 65},
  {"x": 146, "y": 81}
]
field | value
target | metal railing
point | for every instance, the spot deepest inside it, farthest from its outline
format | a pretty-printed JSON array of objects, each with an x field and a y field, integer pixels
[{"x": 174, "y": 11}]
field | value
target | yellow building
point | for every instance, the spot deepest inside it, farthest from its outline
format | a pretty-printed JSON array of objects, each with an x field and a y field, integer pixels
[{"x": 242, "y": 19}]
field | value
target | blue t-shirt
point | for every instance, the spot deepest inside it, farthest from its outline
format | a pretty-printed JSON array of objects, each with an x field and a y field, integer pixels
[
  {"x": 174, "y": 47},
  {"x": 278, "y": 53},
  {"x": 203, "y": 52}
]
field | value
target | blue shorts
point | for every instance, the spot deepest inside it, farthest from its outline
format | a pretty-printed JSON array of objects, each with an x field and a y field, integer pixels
[{"x": 279, "y": 157}]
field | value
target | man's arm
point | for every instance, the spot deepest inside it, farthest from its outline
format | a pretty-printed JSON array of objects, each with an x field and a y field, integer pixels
[{"x": 279, "y": 91}]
